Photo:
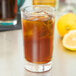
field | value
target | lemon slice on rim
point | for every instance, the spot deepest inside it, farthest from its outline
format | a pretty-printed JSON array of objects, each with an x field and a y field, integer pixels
[{"x": 69, "y": 40}]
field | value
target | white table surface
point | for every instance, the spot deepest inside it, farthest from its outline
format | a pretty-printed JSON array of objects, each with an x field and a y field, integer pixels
[{"x": 11, "y": 57}]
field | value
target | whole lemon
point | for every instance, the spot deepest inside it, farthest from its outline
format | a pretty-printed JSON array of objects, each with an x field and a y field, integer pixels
[{"x": 66, "y": 23}]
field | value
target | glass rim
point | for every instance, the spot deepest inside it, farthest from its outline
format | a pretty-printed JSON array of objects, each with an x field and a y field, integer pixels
[{"x": 24, "y": 8}]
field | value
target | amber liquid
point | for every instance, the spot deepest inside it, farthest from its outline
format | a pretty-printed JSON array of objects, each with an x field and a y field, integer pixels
[
  {"x": 38, "y": 39},
  {"x": 45, "y": 2},
  {"x": 8, "y": 9}
]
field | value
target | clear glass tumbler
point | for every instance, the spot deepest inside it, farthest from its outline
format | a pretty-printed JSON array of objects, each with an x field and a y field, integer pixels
[{"x": 38, "y": 33}]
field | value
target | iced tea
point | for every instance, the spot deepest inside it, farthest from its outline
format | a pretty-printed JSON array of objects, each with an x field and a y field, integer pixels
[
  {"x": 8, "y": 9},
  {"x": 38, "y": 34}
]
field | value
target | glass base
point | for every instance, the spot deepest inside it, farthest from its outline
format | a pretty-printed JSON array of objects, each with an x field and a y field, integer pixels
[
  {"x": 10, "y": 22},
  {"x": 37, "y": 67}
]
